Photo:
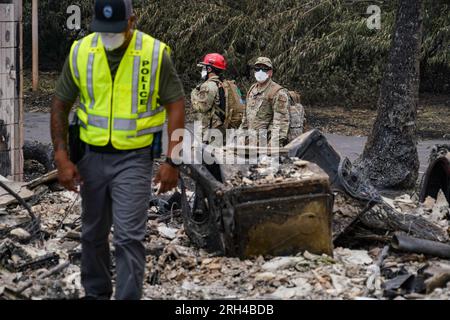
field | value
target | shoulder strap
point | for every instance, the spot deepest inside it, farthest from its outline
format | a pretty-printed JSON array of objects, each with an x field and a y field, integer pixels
[
  {"x": 220, "y": 112},
  {"x": 275, "y": 88},
  {"x": 217, "y": 81}
]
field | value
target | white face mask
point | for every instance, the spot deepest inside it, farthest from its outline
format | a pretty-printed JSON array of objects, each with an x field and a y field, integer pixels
[
  {"x": 261, "y": 76},
  {"x": 112, "y": 41},
  {"x": 204, "y": 74}
]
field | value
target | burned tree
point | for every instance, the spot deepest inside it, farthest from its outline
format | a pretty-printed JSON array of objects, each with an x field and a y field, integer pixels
[{"x": 390, "y": 158}]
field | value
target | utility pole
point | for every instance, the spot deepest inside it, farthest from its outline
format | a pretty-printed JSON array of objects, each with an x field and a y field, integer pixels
[{"x": 35, "y": 36}]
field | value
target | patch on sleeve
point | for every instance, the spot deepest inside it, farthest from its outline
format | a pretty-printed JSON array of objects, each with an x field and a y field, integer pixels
[{"x": 282, "y": 97}]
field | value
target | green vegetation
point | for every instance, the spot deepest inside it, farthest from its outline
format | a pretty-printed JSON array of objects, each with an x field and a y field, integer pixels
[{"x": 321, "y": 48}]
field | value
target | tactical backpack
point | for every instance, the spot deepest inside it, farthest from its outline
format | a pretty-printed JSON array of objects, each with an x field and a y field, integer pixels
[
  {"x": 296, "y": 111},
  {"x": 232, "y": 103}
]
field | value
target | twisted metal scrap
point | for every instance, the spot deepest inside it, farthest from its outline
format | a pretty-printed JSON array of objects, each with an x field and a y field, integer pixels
[{"x": 34, "y": 226}]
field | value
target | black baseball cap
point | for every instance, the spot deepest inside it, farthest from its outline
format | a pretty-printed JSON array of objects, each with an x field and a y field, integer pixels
[{"x": 111, "y": 15}]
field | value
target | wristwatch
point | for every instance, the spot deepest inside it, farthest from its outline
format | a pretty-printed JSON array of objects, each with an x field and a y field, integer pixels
[{"x": 171, "y": 163}]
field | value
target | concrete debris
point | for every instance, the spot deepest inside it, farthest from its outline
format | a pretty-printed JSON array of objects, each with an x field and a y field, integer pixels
[
  {"x": 281, "y": 263},
  {"x": 20, "y": 188},
  {"x": 434, "y": 210},
  {"x": 20, "y": 234},
  {"x": 429, "y": 203},
  {"x": 265, "y": 276},
  {"x": 301, "y": 290},
  {"x": 356, "y": 257},
  {"x": 340, "y": 283},
  {"x": 169, "y": 233}
]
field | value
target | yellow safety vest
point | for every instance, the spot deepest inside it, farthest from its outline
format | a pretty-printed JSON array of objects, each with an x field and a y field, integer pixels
[{"x": 125, "y": 111}]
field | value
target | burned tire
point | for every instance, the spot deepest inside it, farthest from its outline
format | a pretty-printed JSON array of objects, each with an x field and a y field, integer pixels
[
  {"x": 199, "y": 221},
  {"x": 42, "y": 153}
]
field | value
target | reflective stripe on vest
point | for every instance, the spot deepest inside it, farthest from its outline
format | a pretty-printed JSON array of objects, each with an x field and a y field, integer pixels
[
  {"x": 90, "y": 72},
  {"x": 124, "y": 112},
  {"x": 97, "y": 121},
  {"x": 74, "y": 60},
  {"x": 155, "y": 59}
]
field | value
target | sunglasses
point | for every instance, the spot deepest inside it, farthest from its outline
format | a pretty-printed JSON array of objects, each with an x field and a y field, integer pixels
[{"x": 265, "y": 69}]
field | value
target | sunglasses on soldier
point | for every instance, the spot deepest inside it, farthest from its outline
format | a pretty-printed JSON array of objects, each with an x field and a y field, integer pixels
[{"x": 265, "y": 69}]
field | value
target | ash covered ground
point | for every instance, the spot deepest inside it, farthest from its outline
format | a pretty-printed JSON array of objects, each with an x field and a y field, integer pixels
[{"x": 49, "y": 267}]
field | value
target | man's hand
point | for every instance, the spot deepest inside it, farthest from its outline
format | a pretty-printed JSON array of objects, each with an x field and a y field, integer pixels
[
  {"x": 68, "y": 176},
  {"x": 168, "y": 178}
]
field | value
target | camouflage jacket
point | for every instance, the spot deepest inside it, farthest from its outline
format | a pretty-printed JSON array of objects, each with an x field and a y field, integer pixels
[
  {"x": 205, "y": 101},
  {"x": 266, "y": 113}
]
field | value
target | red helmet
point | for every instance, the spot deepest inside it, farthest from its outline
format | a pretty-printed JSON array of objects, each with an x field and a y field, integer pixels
[{"x": 214, "y": 60}]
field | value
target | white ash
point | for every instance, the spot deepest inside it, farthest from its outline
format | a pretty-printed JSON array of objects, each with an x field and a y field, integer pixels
[{"x": 267, "y": 172}]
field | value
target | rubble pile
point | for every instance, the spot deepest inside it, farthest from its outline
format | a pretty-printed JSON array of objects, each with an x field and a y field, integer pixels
[
  {"x": 189, "y": 274},
  {"x": 434, "y": 210},
  {"x": 266, "y": 172},
  {"x": 49, "y": 267},
  {"x": 183, "y": 272},
  {"x": 25, "y": 265}
]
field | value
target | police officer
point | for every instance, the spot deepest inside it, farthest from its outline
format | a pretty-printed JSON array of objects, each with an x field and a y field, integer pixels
[
  {"x": 126, "y": 83},
  {"x": 267, "y": 104}
]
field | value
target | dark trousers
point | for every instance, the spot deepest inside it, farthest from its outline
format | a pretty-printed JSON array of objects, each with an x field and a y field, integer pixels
[{"x": 116, "y": 192}]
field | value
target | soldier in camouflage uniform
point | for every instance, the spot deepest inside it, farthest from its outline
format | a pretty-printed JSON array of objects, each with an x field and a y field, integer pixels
[
  {"x": 267, "y": 103},
  {"x": 205, "y": 97}
]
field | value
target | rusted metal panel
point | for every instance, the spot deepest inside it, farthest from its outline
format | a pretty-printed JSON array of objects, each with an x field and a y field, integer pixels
[
  {"x": 269, "y": 219},
  {"x": 285, "y": 226}
]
